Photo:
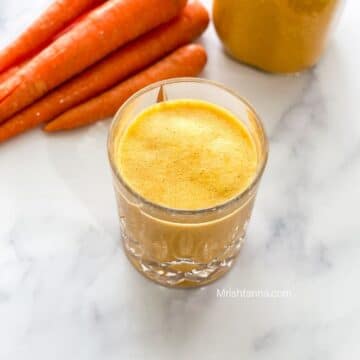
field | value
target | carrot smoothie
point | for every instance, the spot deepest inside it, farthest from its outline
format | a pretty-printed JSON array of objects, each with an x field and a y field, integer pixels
[
  {"x": 185, "y": 167},
  {"x": 186, "y": 154}
]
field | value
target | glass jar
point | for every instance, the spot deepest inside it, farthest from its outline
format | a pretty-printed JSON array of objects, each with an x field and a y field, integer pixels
[
  {"x": 281, "y": 36},
  {"x": 184, "y": 248}
]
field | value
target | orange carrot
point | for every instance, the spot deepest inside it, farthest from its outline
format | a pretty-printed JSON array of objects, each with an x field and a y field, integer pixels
[
  {"x": 104, "y": 29},
  {"x": 189, "y": 60},
  {"x": 57, "y": 16},
  {"x": 8, "y": 73},
  {"x": 116, "y": 67}
]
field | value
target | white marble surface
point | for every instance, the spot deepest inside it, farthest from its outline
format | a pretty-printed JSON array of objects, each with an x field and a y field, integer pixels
[{"x": 68, "y": 292}]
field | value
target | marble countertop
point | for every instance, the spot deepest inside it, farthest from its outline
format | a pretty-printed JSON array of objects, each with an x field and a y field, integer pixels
[{"x": 68, "y": 292}]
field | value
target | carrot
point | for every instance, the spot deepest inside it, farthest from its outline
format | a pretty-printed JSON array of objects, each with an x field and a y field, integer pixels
[
  {"x": 8, "y": 73},
  {"x": 57, "y": 16},
  {"x": 188, "y": 60},
  {"x": 116, "y": 67},
  {"x": 104, "y": 29}
]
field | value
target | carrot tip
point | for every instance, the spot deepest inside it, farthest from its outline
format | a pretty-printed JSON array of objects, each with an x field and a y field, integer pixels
[{"x": 51, "y": 127}]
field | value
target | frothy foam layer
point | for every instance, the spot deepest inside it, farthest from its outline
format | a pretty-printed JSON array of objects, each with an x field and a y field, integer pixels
[{"x": 186, "y": 154}]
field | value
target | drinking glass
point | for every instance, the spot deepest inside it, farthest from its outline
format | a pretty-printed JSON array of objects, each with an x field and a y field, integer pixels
[{"x": 184, "y": 248}]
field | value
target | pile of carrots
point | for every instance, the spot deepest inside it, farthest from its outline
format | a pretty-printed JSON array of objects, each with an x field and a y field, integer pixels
[{"x": 81, "y": 59}]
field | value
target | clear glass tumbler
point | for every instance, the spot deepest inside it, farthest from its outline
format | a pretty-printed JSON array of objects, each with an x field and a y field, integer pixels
[{"x": 183, "y": 248}]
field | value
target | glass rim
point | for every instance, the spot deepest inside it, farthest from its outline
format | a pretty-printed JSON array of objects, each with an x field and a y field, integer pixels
[{"x": 222, "y": 206}]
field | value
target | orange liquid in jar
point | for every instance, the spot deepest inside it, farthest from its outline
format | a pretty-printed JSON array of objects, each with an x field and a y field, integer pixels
[{"x": 279, "y": 36}]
